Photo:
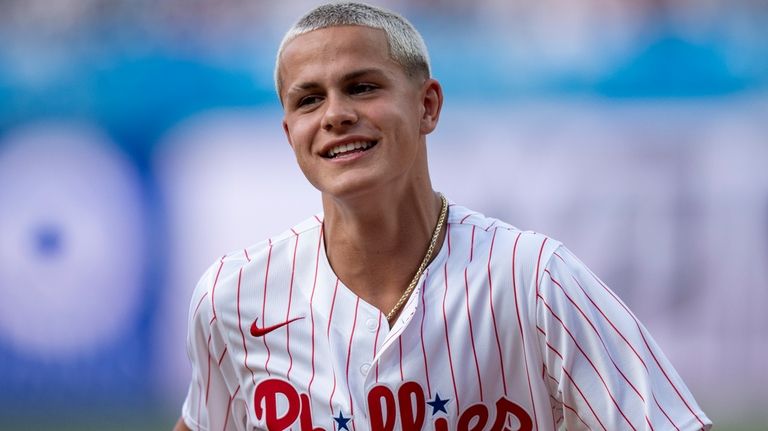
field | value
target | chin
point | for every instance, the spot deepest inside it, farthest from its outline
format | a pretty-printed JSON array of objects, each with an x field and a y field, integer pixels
[{"x": 358, "y": 188}]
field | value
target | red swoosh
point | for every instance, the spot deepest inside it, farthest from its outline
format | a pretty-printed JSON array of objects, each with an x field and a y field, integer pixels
[{"x": 260, "y": 332}]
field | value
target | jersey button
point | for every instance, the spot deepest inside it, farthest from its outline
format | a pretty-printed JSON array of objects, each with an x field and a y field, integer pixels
[
  {"x": 371, "y": 325},
  {"x": 365, "y": 368}
]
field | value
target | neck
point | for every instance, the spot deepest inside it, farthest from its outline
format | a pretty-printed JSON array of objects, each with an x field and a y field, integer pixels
[{"x": 375, "y": 246}]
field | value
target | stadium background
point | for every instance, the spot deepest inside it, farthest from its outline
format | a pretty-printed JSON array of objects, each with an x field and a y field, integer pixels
[{"x": 140, "y": 140}]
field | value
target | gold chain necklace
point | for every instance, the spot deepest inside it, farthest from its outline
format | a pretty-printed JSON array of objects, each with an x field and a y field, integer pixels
[{"x": 427, "y": 257}]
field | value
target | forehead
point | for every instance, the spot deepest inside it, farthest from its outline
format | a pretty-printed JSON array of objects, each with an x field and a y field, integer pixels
[{"x": 321, "y": 52}]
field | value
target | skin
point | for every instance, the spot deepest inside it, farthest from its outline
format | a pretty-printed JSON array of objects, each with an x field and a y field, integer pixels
[
  {"x": 340, "y": 85},
  {"x": 181, "y": 426}
]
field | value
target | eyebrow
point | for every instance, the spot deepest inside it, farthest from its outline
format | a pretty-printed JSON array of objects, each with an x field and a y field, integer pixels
[{"x": 347, "y": 77}]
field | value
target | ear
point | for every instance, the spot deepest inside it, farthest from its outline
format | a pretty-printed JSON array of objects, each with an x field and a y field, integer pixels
[
  {"x": 287, "y": 133},
  {"x": 432, "y": 103}
]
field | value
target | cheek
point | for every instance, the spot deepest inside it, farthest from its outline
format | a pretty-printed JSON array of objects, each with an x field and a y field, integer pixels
[
  {"x": 396, "y": 117},
  {"x": 300, "y": 135},
  {"x": 404, "y": 123}
]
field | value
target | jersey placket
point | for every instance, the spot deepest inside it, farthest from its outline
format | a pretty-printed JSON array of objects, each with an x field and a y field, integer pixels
[
  {"x": 372, "y": 346},
  {"x": 366, "y": 336},
  {"x": 377, "y": 368}
]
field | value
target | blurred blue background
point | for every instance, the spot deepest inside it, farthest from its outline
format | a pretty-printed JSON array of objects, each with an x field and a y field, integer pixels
[{"x": 139, "y": 140}]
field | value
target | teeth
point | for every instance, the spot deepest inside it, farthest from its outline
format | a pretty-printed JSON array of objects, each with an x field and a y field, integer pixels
[{"x": 339, "y": 149}]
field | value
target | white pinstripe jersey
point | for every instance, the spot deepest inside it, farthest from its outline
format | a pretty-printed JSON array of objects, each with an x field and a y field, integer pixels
[{"x": 507, "y": 330}]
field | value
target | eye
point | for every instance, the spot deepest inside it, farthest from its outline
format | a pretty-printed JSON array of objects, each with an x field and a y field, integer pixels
[
  {"x": 308, "y": 100},
  {"x": 361, "y": 88}
]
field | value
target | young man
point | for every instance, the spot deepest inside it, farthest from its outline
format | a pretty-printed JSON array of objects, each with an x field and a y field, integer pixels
[{"x": 394, "y": 310}]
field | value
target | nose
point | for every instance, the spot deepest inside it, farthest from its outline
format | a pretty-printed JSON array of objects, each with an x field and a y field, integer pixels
[{"x": 339, "y": 113}]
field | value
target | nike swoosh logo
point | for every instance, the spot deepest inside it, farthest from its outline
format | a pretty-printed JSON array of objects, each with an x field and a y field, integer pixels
[{"x": 260, "y": 332}]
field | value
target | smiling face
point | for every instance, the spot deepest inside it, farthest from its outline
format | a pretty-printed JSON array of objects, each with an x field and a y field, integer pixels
[{"x": 354, "y": 118}]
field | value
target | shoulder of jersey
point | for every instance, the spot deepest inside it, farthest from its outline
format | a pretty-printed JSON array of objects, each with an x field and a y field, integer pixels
[
  {"x": 229, "y": 265},
  {"x": 529, "y": 247}
]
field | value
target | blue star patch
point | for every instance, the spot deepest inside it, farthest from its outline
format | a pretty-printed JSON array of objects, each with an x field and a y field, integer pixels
[
  {"x": 341, "y": 422},
  {"x": 438, "y": 405}
]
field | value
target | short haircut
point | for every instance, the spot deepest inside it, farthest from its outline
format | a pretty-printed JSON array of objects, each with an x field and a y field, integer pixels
[{"x": 406, "y": 46}]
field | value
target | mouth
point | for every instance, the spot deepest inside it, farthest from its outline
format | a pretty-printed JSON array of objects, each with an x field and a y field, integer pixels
[{"x": 350, "y": 148}]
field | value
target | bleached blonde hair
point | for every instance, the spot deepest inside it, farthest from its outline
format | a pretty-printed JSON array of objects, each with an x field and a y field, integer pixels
[{"x": 406, "y": 46}]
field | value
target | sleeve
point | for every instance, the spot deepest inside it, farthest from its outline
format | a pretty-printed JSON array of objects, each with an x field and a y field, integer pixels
[
  {"x": 603, "y": 369},
  {"x": 208, "y": 401}
]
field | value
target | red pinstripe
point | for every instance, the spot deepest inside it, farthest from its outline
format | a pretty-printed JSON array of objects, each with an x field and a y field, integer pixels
[
  {"x": 199, "y": 400},
  {"x": 493, "y": 314},
  {"x": 607, "y": 319},
  {"x": 544, "y": 377},
  {"x": 665, "y": 413},
  {"x": 605, "y": 347},
  {"x": 589, "y": 360},
  {"x": 197, "y": 308},
  {"x": 312, "y": 311},
  {"x": 575, "y": 413},
  {"x": 658, "y": 364},
  {"x": 576, "y": 385},
  {"x": 551, "y": 347},
  {"x": 555, "y": 421},
  {"x": 490, "y": 225},
  {"x": 447, "y": 339},
  {"x": 288, "y": 311},
  {"x": 558, "y": 422},
  {"x": 566, "y": 405},
  {"x": 328, "y": 336},
  {"x": 472, "y": 245},
  {"x": 213, "y": 289},
  {"x": 465, "y": 217},
  {"x": 263, "y": 307},
  {"x": 582, "y": 420},
  {"x": 538, "y": 265},
  {"x": 583, "y": 397},
  {"x": 330, "y": 314},
  {"x": 423, "y": 319},
  {"x": 621, "y": 335},
  {"x": 448, "y": 237},
  {"x": 375, "y": 346},
  {"x": 248, "y": 258},
  {"x": 663, "y": 371},
  {"x": 240, "y": 327},
  {"x": 349, "y": 355},
  {"x": 221, "y": 358},
  {"x": 519, "y": 320},
  {"x": 400, "y": 347},
  {"x": 208, "y": 383},
  {"x": 229, "y": 406},
  {"x": 472, "y": 336}
]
